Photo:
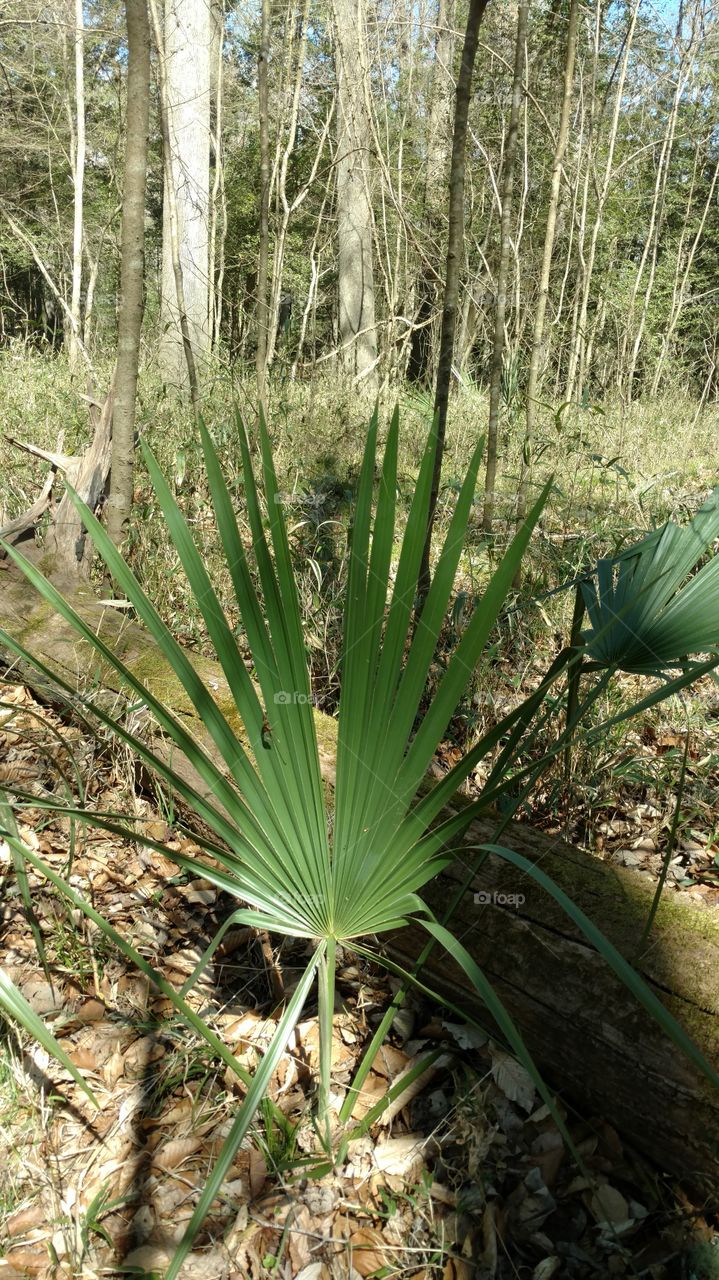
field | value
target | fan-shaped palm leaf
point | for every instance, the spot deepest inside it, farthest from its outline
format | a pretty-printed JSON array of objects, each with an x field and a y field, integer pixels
[{"x": 646, "y": 612}]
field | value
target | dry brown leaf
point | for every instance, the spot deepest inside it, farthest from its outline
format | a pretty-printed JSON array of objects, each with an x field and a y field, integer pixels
[
  {"x": 28, "y": 1261},
  {"x": 175, "y": 1152},
  {"x": 609, "y": 1206},
  {"x": 113, "y": 1068},
  {"x": 457, "y": 1269},
  {"x": 198, "y": 1266},
  {"x": 140, "y": 1054},
  {"x": 367, "y": 1251},
  {"x": 18, "y": 1224},
  {"x": 400, "y": 1156}
]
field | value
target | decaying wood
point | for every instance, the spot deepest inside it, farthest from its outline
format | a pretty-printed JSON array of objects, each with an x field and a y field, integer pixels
[
  {"x": 591, "y": 1038},
  {"x": 586, "y": 1032},
  {"x": 65, "y": 550},
  {"x": 15, "y": 529}
]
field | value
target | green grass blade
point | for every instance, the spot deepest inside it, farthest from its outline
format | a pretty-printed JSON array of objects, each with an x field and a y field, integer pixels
[
  {"x": 14, "y": 1005},
  {"x": 9, "y": 826},
  {"x": 218, "y": 728},
  {"x": 287, "y": 817},
  {"x": 190, "y": 1017},
  {"x": 246, "y": 1114},
  {"x": 295, "y": 711}
]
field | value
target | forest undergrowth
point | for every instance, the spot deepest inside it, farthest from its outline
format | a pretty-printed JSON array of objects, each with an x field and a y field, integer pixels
[
  {"x": 618, "y": 472},
  {"x": 420, "y": 1207}
]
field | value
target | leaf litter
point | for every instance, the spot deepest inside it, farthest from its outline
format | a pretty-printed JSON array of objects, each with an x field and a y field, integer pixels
[{"x": 465, "y": 1177}]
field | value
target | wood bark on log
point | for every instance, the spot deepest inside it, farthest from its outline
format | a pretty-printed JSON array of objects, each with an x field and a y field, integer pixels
[
  {"x": 587, "y": 1033},
  {"x": 66, "y": 552}
]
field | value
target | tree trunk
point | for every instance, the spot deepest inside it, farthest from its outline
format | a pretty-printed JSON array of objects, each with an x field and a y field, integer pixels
[
  {"x": 263, "y": 101},
  {"x": 455, "y": 253},
  {"x": 78, "y": 184},
  {"x": 584, "y": 1029},
  {"x": 357, "y": 332},
  {"x": 171, "y": 224},
  {"x": 578, "y": 353},
  {"x": 420, "y": 364},
  {"x": 132, "y": 269},
  {"x": 536, "y": 359},
  {"x": 187, "y": 42},
  {"x": 500, "y": 306},
  {"x": 218, "y": 211}
]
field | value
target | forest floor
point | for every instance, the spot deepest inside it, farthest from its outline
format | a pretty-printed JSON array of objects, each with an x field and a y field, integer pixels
[{"x": 467, "y": 1179}]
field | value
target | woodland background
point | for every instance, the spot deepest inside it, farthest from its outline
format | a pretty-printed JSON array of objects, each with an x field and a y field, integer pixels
[{"x": 358, "y": 123}]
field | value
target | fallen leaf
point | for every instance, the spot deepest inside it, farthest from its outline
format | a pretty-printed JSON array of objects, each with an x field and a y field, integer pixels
[
  {"x": 24, "y": 1220},
  {"x": 367, "y": 1251},
  {"x": 512, "y": 1078},
  {"x": 175, "y": 1152}
]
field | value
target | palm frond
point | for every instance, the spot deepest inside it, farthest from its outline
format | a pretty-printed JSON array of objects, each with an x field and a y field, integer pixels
[{"x": 647, "y": 613}]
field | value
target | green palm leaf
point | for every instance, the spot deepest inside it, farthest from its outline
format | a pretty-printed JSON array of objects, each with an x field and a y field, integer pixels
[{"x": 645, "y": 615}]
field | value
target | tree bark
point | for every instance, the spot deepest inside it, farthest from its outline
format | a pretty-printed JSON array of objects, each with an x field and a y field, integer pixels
[
  {"x": 578, "y": 356},
  {"x": 455, "y": 253},
  {"x": 500, "y": 306},
  {"x": 186, "y": 67},
  {"x": 78, "y": 184},
  {"x": 536, "y": 359},
  {"x": 132, "y": 269},
  {"x": 171, "y": 231},
  {"x": 585, "y": 1031},
  {"x": 357, "y": 331},
  {"x": 420, "y": 367},
  {"x": 263, "y": 103}
]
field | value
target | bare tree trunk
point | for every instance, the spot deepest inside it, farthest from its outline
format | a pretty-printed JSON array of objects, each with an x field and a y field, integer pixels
[
  {"x": 214, "y": 307},
  {"x": 421, "y": 361},
  {"x": 538, "y": 350},
  {"x": 263, "y": 253},
  {"x": 132, "y": 269},
  {"x": 628, "y": 360},
  {"x": 186, "y": 147},
  {"x": 171, "y": 235},
  {"x": 357, "y": 331},
  {"x": 679, "y": 295},
  {"x": 495, "y": 372},
  {"x": 78, "y": 184},
  {"x": 577, "y": 357},
  {"x": 285, "y": 149},
  {"x": 455, "y": 252}
]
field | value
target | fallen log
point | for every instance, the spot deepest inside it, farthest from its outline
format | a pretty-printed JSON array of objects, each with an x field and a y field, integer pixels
[
  {"x": 66, "y": 546},
  {"x": 586, "y": 1032}
]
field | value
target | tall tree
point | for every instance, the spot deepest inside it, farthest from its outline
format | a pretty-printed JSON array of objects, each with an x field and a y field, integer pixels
[
  {"x": 455, "y": 251},
  {"x": 187, "y": 45},
  {"x": 500, "y": 305},
  {"x": 537, "y": 350},
  {"x": 357, "y": 331},
  {"x": 132, "y": 268},
  {"x": 78, "y": 177},
  {"x": 263, "y": 104},
  {"x": 439, "y": 124}
]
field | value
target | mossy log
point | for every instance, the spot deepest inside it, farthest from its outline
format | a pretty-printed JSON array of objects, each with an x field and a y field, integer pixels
[{"x": 586, "y": 1032}]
